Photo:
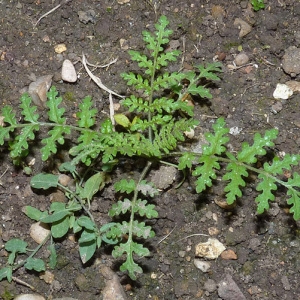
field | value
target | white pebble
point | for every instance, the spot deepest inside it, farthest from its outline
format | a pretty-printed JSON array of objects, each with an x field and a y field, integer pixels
[
  {"x": 204, "y": 266},
  {"x": 68, "y": 72},
  {"x": 282, "y": 91}
]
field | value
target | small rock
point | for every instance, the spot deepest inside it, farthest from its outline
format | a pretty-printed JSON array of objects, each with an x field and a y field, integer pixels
[
  {"x": 163, "y": 177},
  {"x": 87, "y": 16},
  {"x": 29, "y": 297},
  {"x": 276, "y": 108},
  {"x": 254, "y": 244},
  {"x": 244, "y": 27},
  {"x": 293, "y": 85},
  {"x": 228, "y": 254},
  {"x": 113, "y": 289},
  {"x": 68, "y": 72},
  {"x": 241, "y": 59},
  {"x": 285, "y": 282},
  {"x": 210, "y": 285},
  {"x": 204, "y": 266},
  {"x": 39, "y": 231},
  {"x": 60, "y": 48},
  {"x": 282, "y": 91},
  {"x": 210, "y": 249},
  {"x": 38, "y": 90},
  {"x": 291, "y": 61},
  {"x": 228, "y": 290}
]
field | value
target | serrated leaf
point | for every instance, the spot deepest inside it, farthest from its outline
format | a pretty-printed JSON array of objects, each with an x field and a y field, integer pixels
[
  {"x": 265, "y": 186},
  {"x": 186, "y": 160},
  {"x": 125, "y": 186},
  {"x": 120, "y": 207},
  {"x": 4, "y": 134},
  {"x": 55, "y": 113},
  {"x": 56, "y": 135},
  {"x": 35, "y": 264},
  {"x": 9, "y": 115},
  {"x": 94, "y": 184},
  {"x": 28, "y": 111},
  {"x": 122, "y": 120},
  {"x": 86, "y": 115},
  {"x": 206, "y": 172},
  {"x": 33, "y": 213},
  {"x": 147, "y": 188},
  {"x": 44, "y": 181},
  {"x": 294, "y": 195},
  {"x": 234, "y": 176},
  {"x": 248, "y": 153},
  {"x": 143, "y": 209},
  {"x": 21, "y": 141}
]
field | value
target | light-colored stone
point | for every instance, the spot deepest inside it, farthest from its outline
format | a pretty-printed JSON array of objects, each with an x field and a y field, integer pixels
[
  {"x": 293, "y": 85},
  {"x": 202, "y": 265},
  {"x": 228, "y": 254},
  {"x": 38, "y": 232},
  {"x": 29, "y": 297},
  {"x": 60, "y": 48},
  {"x": 210, "y": 249},
  {"x": 282, "y": 91},
  {"x": 291, "y": 61},
  {"x": 68, "y": 72},
  {"x": 39, "y": 88}
]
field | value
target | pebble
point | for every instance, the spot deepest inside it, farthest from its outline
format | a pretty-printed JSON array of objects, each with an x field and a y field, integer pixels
[
  {"x": 229, "y": 255},
  {"x": 291, "y": 61},
  {"x": 68, "y": 72},
  {"x": 282, "y": 91},
  {"x": 60, "y": 48},
  {"x": 39, "y": 88},
  {"x": 241, "y": 59},
  {"x": 229, "y": 290},
  {"x": 293, "y": 85},
  {"x": 29, "y": 297},
  {"x": 244, "y": 27},
  {"x": 210, "y": 285},
  {"x": 210, "y": 249},
  {"x": 38, "y": 232},
  {"x": 204, "y": 266},
  {"x": 87, "y": 16}
]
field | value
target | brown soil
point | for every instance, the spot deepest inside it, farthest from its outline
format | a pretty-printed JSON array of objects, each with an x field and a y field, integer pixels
[{"x": 267, "y": 246}]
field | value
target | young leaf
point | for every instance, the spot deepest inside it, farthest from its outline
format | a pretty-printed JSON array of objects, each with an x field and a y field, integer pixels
[
  {"x": 6, "y": 273},
  {"x": 35, "y": 264},
  {"x": 56, "y": 135},
  {"x": 86, "y": 115},
  {"x": 186, "y": 160},
  {"x": 9, "y": 115},
  {"x": 122, "y": 120},
  {"x": 120, "y": 207},
  {"x": 93, "y": 185},
  {"x": 60, "y": 228},
  {"x": 87, "y": 245},
  {"x": 55, "y": 113},
  {"x": 15, "y": 246},
  {"x": 44, "y": 181},
  {"x": 86, "y": 222},
  {"x": 33, "y": 213},
  {"x": 294, "y": 195},
  {"x": 28, "y": 111},
  {"x": 125, "y": 186},
  {"x": 53, "y": 256}
]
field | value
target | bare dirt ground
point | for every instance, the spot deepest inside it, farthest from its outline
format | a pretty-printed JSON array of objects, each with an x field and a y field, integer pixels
[{"x": 267, "y": 246}]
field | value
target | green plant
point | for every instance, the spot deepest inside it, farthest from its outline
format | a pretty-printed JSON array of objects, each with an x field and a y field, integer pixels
[
  {"x": 258, "y": 4},
  {"x": 160, "y": 116}
]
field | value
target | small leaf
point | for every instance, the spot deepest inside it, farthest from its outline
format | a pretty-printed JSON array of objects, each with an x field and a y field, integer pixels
[
  {"x": 57, "y": 216},
  {"x": 93, "y": 185},
  {"x": 33, "y": 213},
  {"x": 53, "y": 256},
  {"x": 87, "y": 246},
  {"x": 44, "y": 181},
  {"x": 122, "y": 120},
  {"x": 125, "y": 186},
  {"x": 15, "y": 246},
  {"x": 60, "y": 228},
  {"x": 86, "y": 222},
  {"x": 6, "y": 273},
  {"x": 35, "y": 264}
]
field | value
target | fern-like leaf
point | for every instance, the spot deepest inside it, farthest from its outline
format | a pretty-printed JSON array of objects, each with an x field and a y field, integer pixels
[
  {"x": 293, "y": 193},
  {"x": 28, "y": 111},
  {"x": 86, "y": 115},
  {"x": 125, "y": 186},
  {"x": 55, "y": 113},
  {"x": 56, "y": 135},
  {"x": 248, "y": 153}
]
